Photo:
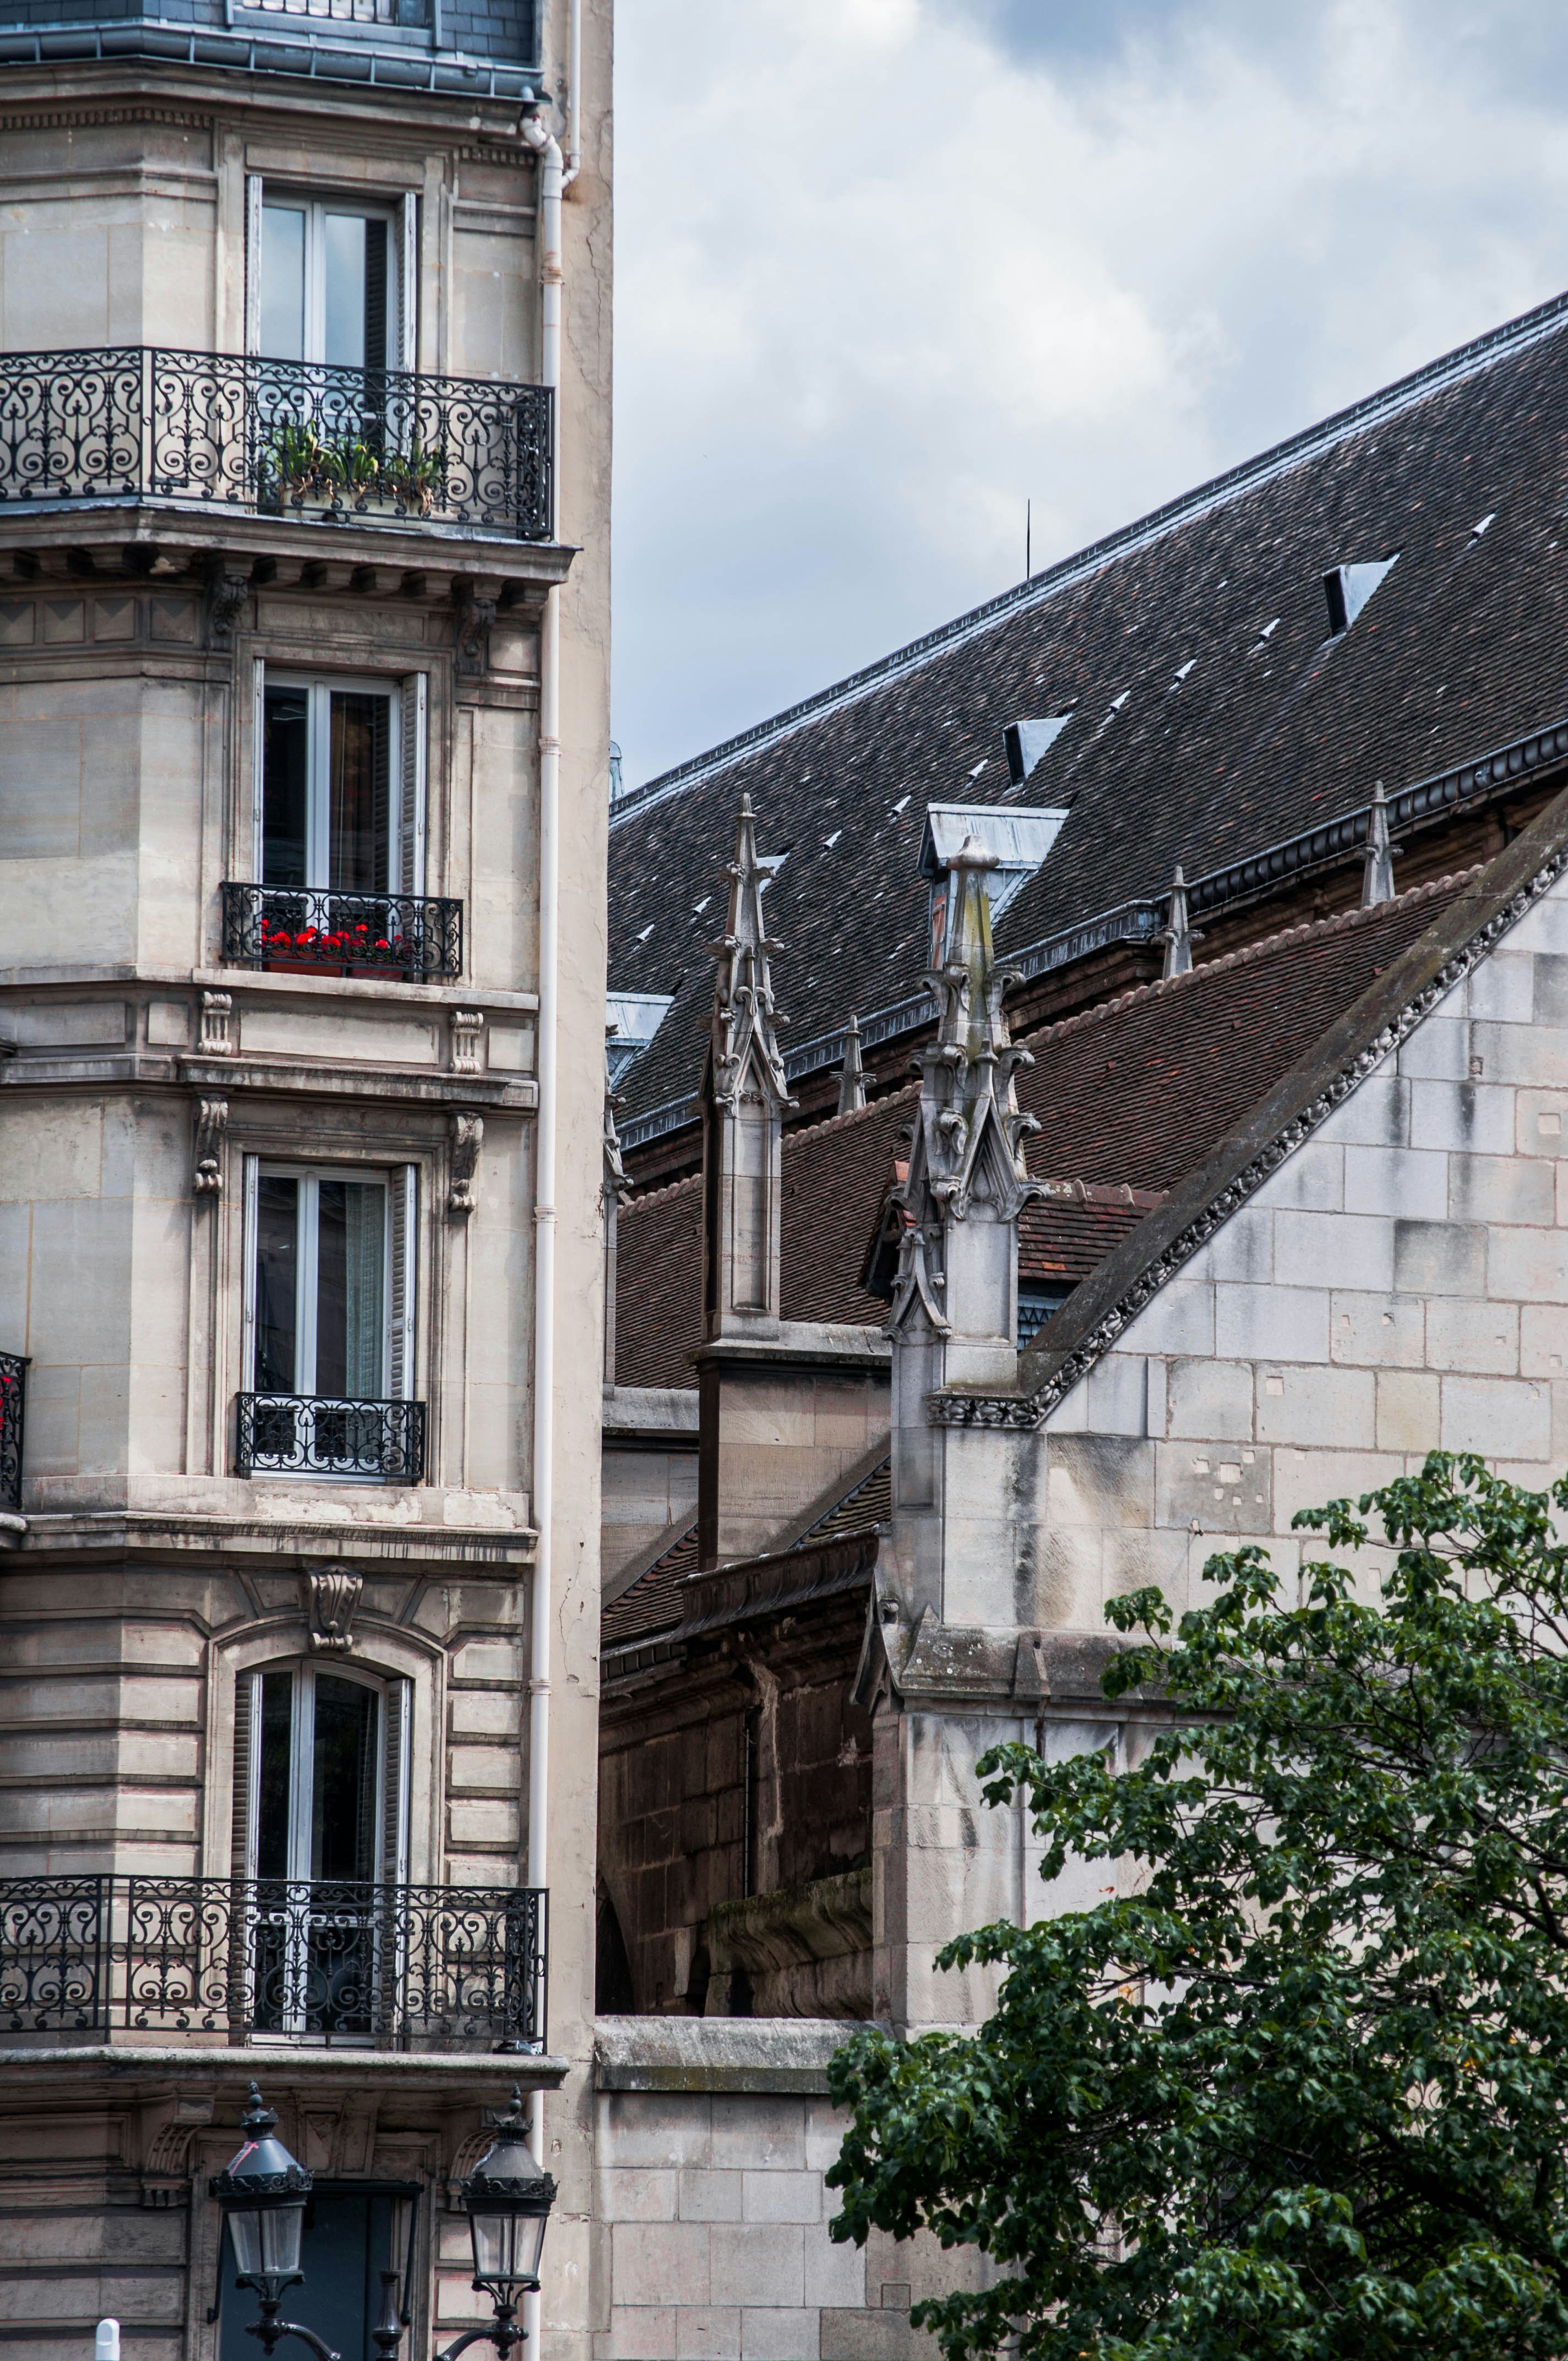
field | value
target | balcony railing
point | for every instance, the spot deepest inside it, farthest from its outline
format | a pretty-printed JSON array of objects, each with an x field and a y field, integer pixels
[
  {"x": 312, "y": 1434},
  {"x": 410, "y": 1967},
  {"x": 412, "y": 936},
  {"x": 284, "y": 438},
  {"x": 13, "y": 1402}
]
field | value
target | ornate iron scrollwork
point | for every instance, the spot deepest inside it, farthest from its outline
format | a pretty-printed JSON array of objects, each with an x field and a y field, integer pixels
[
  {"x": 412, "y": 936},
  {"x": 313, "y": 1435},
  {"x": 288, "y": 437},
  {"x": 13, "y": 1403}
]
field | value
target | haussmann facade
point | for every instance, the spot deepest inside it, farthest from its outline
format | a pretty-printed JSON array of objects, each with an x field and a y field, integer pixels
[{"x": 303, "y": 577}]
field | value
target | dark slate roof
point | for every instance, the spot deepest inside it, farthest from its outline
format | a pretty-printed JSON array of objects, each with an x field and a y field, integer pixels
[
  {"x": 1130, "y": 1098},
  {"x": 489, "y": 47},
  {"x": 653, "y": 1601},
  {"x": 1463, "y": 649}
]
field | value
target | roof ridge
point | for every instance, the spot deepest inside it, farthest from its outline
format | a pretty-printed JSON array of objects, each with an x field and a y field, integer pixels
[
  {"x": 1341, "y": 922},
  {"x": 1385, "y": 400}
]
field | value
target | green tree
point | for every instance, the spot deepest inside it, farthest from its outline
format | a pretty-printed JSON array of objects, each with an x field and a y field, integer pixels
[{"x": 1300, "y": 2091}]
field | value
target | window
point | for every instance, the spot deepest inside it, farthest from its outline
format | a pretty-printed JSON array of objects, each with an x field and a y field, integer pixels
[
  {"x": 329, "y": 281},
  {"x": 328, "y": 1348},
  {"x": 321, "y": 1822},
  {"x": 321, "y": 1286},
  {"x": 340, "y": 786}
]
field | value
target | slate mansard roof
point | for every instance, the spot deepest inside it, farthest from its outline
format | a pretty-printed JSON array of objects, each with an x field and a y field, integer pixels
[
  {"x": 1211, "y": 713},
  {"x": 1130, "y": 1098}
]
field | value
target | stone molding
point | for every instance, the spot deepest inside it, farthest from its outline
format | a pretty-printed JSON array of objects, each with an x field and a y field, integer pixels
[{"x": 788, "y": 2055}]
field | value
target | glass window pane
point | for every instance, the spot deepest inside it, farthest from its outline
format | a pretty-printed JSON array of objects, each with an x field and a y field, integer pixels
[
  {"x": 283, "y": 282},
  {"x": 343, "y": 1798},
  {"x": 360, "y": 776},
  {"x": 350, "y": 1290},
  {"x": 277, "y": 1271},
  {"x": 343, "y": 265},
  {"x": 285, "y": 787},
  {"x": 274, "y": 1782}
]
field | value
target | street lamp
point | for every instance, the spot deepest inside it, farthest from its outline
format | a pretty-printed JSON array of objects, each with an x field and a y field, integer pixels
[
  {"x": 262, "y": 2192},
  {"x": 507, "y": 2199}
]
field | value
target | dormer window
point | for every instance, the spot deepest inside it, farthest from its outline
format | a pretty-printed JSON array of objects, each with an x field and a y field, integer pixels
[
  {"x": 1019, "y": 842},
  {"x": 1347, "y": 589}
]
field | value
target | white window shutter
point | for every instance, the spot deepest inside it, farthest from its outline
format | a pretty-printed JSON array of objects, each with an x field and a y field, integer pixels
[
  {"x": 396, "y": 1712},
  {"x": 414, "y": 718},
  {"x": 248, "y": 1335},
  {"x": 258, "y": 767},
  {"x": 253, "y": 262},
  {"x": 402, "y": 1288},
  {"x": 407, "y": 285}
]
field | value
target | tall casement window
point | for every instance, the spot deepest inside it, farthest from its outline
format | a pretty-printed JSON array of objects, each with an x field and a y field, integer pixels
[
  {"x": 340, "y": 786},
  {"x": 329, "y": 1322},
  {"x": 321, "y": 1831},
  {"x": 328, "y": 279}
]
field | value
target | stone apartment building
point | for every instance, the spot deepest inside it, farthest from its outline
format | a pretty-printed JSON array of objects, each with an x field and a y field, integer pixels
[
  {"x": 304, "y": 439},
  {"x": 1219, "y": 1192}
]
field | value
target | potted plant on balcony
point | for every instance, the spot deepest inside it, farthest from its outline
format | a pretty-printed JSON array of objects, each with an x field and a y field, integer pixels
[
  {"x": 304, "y": 464},
  {"x": 413, "y": 477}
]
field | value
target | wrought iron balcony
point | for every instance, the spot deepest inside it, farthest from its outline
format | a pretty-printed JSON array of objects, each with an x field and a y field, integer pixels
[
  {"x": 13, "y": 1402},
  {"x": 310, "y": 1435},
  {"x": 406, "y": 1967},
  {"x": 412, "y": 936},
  {"x": 281, "y": 438}
]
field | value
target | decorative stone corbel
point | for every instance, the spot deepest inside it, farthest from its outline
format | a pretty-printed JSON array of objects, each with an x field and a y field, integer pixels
[
  {"x": 211, "y": 1126},
  {"x": 475, "y": 616},
  {"x": 217, "y": 1036},
  {"x": 468, "y": 1139},
  {"x": 167, "y": 2140},
  {"x": 330, "y": 1595},
  {"x": 227, "y": 594},
  {"x": 468, "y": 1027}
]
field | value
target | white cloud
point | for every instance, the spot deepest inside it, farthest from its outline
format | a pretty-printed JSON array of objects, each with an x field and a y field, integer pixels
[{"x": 887, "y": 268}]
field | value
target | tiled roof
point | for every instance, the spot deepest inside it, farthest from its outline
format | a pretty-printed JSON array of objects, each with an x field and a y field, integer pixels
[
  {"x": 1130, "y": 1097},
  {"x": 652, "y": 1603},
  {"x": 1458, "y": 652}
]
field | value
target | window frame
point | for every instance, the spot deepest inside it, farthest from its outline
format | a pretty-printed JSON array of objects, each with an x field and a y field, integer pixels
[
  {"x": 397, "y": 208},
  {"x": 303, "y": 1671},
  {"x": 321, "y": 688},
  {"x": 397, "y": 1302}
]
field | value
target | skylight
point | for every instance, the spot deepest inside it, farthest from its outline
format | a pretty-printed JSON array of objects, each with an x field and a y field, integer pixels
[{"x": 1347, "y": 589}]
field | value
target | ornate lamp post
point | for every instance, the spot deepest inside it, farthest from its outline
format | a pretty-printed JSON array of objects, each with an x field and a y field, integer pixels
[
  {"x": 263, "y": 2192},
  {"x": 507, "y": 2199}
]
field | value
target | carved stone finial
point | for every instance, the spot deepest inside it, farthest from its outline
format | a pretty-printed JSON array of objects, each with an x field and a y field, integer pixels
[
  {"x": 218, "y": 1021},
  {"x": 966, "y": 1160},
  {"x": 852, "y": 1074},
  {"x": 331, "y": 1596},
  {"x": 745, "y": 1099},
  {"x": 212, "y": 1127},
  {"x": 1178, "y": 935},
  {"x": 468, "y": 1139},
  {"x": 1377, "y": 876},
  {"x": 467, "y": 1029}
]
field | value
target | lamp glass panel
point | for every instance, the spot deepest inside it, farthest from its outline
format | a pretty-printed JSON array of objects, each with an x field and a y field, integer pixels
[
  {"x": 245, "y": 2229},
  {"x": 507, "y": 2246},
  {"x": 280, "y": 2228}
]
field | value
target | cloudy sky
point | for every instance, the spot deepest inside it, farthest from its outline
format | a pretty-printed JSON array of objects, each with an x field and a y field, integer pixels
[{"x": 888, "y": 269}]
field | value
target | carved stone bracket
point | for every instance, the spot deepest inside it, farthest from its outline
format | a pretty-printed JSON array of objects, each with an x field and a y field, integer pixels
[
  {"x": 468, "y": 1139},
  {"x": 331, "y": 1596},
  {"x": 217, "y": 1036},
  {"x": 475, "y": 617},
  {"x": 467, "y": 1029},
  {"x": 212, "y": 1126},
  {"x": 228, "y": 594}
]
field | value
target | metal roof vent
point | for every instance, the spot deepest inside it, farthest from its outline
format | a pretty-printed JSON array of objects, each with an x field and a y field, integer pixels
[
  {"x": 1348, "y": 587},
  {"x": 1026, "y": 741},
  {"x": 1016, "y": 840},
  {"x": 631, "y": 1019}
]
